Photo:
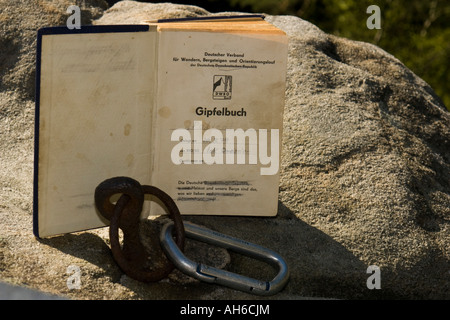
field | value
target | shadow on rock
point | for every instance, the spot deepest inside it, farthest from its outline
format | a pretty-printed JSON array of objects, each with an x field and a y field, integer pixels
[
  {"x": 319, "y": 266},
  {"x": 88, "y": 247}
]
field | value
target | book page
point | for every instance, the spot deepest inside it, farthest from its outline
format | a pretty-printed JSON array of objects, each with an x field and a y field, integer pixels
[
  {"x": 96, "y": 98},
  {"x": 219, "y": 120}
]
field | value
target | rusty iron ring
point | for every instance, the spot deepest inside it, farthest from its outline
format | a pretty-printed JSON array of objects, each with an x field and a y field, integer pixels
[{"x": 125, "y": 214}]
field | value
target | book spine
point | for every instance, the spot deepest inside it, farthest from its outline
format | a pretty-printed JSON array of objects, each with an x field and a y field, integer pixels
[{"x": 250, "y": 17}]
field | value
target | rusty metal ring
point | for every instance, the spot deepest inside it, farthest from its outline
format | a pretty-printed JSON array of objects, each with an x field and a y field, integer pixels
[
  {"x": 125, "y": 214},
  {"x": 120, "y": 185}
]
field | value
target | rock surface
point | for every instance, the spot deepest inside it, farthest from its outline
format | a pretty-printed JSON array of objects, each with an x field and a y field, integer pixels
[{"x": 365, "y": 176}]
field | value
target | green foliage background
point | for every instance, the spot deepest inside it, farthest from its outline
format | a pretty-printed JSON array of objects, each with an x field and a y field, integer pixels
[{"x": 417, "y": 32}]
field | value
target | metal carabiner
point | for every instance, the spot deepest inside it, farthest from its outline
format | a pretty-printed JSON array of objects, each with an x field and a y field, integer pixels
[{"x": 213, "y": 275}]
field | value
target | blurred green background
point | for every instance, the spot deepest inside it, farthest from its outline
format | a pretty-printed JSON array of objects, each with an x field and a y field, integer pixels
[{"x": 417, "y": 32}]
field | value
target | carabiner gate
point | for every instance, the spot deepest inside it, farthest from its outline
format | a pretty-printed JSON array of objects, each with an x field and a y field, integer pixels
[{"x": 214, "y": 275}]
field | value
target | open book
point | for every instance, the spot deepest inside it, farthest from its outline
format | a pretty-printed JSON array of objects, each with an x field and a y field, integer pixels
[{"x": 193, "y": 107}]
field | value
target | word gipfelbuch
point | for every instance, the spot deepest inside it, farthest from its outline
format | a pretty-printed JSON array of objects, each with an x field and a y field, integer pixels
[{"x": 192, "y": 106}]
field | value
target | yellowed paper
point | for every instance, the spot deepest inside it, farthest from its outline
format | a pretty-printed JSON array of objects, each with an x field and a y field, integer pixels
[
  {"x": 220, "y": 81},
  {"x": 96, "y": 93}
]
